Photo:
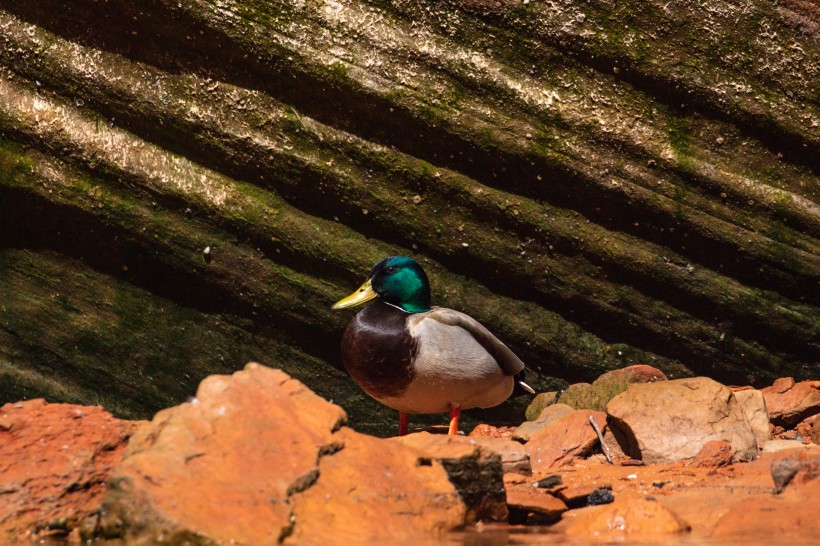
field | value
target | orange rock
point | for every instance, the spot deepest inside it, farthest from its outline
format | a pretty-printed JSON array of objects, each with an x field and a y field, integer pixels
[
  {"x": 569, "y": 437},
  {"x": 475, "y": 466},
  {"x": 258, "y": 458},
  {"x": 754, "y": 409},
  {"x": 575, "y": 495},
  {"x": 225, "y": 465},
  {"x": 790, "y": 518},
  {"x": 622, "y": 518},
  {"x": 637, "y": 373},
  {"x": 376, "y": 490},
  {"x": 514, "y": 458},
  {"x": 489, "y": 431},
  {"x": 54, "y": 461},
  {"x": 775, "y": 446},
  {"x": 781, "y": 385},
  {"x": 616, "y": 452},
  {"x": 714, "y": 454},
  {"x": 789, "y": 403},
  {"x": 548, "y": 415},
  {"x": 815, "y": 431},
  {"x": 514, "y": 478},
  {"x": 803, "y": 429},
  {"x": 671, "y": 420},
  {"x": 795, "y": 466},
  {"x": 527, "y": 500}
]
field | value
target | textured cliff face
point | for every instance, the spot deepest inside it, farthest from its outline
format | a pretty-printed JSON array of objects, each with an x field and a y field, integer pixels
[{"x": 600, "y": 184}]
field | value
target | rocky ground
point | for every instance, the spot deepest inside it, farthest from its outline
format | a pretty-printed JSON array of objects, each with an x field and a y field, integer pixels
[{"x": 258, "y": 458}]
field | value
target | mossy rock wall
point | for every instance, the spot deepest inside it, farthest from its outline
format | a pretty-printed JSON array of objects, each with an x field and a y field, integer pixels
[{"x": 601, "y": 184}]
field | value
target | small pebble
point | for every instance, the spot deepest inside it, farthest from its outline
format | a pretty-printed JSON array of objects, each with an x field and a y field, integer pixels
[{"x": 600, "y": 496}]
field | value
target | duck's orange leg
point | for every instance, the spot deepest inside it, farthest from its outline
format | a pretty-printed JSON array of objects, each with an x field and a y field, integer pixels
[
  {"x": 455, "y": 411},
  {"x": 404, "y": 419}
]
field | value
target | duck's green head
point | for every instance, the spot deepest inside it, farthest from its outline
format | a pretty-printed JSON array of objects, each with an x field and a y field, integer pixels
[{"x": 396, "y": 279}]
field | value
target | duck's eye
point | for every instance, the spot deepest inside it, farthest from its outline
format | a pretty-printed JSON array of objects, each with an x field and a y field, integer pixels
[{"x": 391, "y": 269}]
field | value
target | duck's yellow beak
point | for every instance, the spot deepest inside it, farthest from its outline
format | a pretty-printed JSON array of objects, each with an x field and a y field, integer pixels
[{"x": 363, "y": 294}]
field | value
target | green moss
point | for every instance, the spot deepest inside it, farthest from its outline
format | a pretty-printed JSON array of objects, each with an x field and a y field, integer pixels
[
  {"x": 15, "y": 166},
  {"x": 680, "y": 135},
  {"x": 338, "y": 73},
  {"x": 454, "y": 95}
]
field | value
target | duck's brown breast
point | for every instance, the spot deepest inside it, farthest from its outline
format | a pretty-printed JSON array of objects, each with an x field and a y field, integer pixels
[{"x": 378, "y": 350}]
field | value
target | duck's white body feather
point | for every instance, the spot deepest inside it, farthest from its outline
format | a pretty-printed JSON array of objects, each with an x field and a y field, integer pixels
[{"x": 458, "y": 363}]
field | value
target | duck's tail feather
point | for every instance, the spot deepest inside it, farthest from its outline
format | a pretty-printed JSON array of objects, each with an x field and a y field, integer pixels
[
  {"x": 526, "y": 387},
  {"x": 520, "y": 386}
]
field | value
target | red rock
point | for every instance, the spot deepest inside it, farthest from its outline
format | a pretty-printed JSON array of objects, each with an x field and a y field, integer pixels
[
  {"x": 637, "y": 373},
  {"x": 754, "y": 409},
  {"x": 514, "y": 458},
  {"x": 795, "y": 466},
  {"x": 576, "y": 494},
  {"x": 790, "y": 518},
  {"x": 803, "y": 429},
  {"x": 781, "y": 385},
  {"x": 620, "y": 519},
  {"x": 569, "y": 437},
  {"x": 670, "y": 421},
  {"x": 250, "y": 440},
  {"x": 613, "y": 447},
  {"x": 489, "y": 431},
  {"x": 514, "y": 478},
  {"x": 776, "y": 446},
  {"x": 54, "y": 461},
  {"x": 376, "y": 491},
  {"x": 714, "y": 454},
  {"x": 257, "y": 458},
  {"x": 475, "y": 465},
  {"x": 548, "y": 415},
  {"x": 529, "y": 500},
  {"x": 815, "y": 431},
  {"x": 789, "y": 403}
]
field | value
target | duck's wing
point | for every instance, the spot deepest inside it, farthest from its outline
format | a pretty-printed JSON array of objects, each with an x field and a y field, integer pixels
[{"x": 507, "y": 361}]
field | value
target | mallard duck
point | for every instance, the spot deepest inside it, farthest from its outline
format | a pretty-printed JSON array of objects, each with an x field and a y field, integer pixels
[{"x": 415, "y": 358}]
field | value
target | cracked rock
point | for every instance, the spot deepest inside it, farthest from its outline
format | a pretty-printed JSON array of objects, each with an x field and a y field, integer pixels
[
  {"x": 671, "y": 421},
  {"x": 224, "y": 465}
]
